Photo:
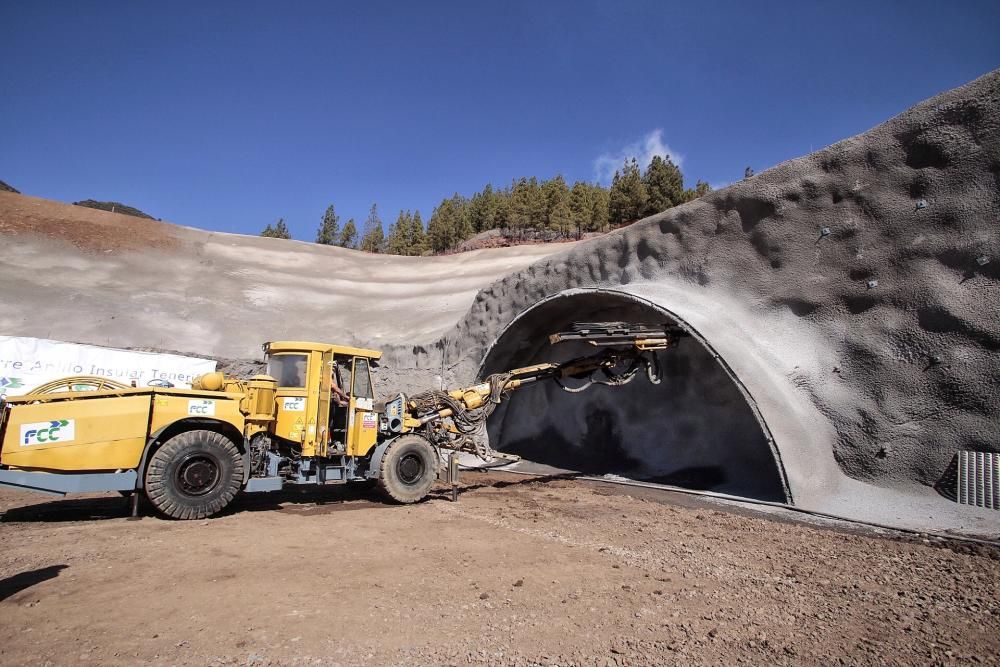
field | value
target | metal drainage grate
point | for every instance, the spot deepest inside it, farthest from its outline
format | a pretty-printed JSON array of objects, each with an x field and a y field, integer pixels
[{"x": 979, "y": 479}]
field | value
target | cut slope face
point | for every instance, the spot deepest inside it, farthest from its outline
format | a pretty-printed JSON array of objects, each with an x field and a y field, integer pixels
[
  {"x": 82, "y": 275},
  {"x": 853, "y": 291}
]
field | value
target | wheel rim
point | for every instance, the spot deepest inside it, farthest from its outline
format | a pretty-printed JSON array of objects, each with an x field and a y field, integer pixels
[
  {"x": 410, "y": 468},
  {"x": 198, "y": 474}
]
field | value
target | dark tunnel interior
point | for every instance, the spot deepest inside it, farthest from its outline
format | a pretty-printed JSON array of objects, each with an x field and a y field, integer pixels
[{"x": 695, "y": 429}]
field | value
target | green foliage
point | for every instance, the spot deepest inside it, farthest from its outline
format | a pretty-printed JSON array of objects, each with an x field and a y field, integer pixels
[
  {"x": 349, "y": 235},
  {"x": 527, "y": 206},
  {"x": 407, "y": 236},
  {"x": 329, "y": 230},
  {"x": 701, "y": 189},
  {"x": 373, "y": 239},
  {"x": 588, "y": 205},
  {"x": 112, "y": 206},
  {"x": 555, "y": 195},
  {"x": 628, "y": 197},
  {"x": 600, "y": 216},
  {"x": 278, "y": 231},
  {"x": 398, "y": 241},
  {"x": 485, "y": 210},
  {"x": 580, "y": 206},
  {"x": 664, "y": 185},
  {"x": 418, "y": 236},
  {"x": 463, "y": 226},
  {"x": 524, "y": 209},
  {"x": 449, "y": 224}
]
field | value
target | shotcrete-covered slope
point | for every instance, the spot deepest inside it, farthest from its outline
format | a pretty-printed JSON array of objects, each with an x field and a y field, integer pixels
[
  {"x": 77, "y": 274},
  {"x": 853, "y": 293}
]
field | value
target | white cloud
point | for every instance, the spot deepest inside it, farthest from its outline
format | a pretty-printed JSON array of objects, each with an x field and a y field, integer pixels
[{"x": 643, "y": 151}]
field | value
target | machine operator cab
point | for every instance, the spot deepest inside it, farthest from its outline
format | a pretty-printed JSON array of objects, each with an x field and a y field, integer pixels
[{"x": 307, "y": 412}]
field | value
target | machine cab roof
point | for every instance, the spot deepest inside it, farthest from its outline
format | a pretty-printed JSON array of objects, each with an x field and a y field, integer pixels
[{"x": 307, "y": 346}]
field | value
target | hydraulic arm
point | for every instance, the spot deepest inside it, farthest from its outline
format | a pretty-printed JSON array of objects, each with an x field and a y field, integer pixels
[{"x": 456, "y": 419}]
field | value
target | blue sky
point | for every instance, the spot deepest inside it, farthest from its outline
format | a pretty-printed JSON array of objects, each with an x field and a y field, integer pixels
[{"x": 229, "y": 115}]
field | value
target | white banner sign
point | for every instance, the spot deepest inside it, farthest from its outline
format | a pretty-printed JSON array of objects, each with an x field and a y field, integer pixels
[{"x": 26, "y": 363}]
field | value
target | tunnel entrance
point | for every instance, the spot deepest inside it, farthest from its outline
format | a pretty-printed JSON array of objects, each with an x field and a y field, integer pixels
[{"x": 696, "y": 429}]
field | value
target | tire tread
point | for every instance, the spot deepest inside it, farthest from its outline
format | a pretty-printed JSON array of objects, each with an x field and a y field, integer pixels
[{"x": 158, "y": 486}]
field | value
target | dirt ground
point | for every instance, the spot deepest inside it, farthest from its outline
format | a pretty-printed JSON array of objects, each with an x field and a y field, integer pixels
[{"x": 520, "y": 571}]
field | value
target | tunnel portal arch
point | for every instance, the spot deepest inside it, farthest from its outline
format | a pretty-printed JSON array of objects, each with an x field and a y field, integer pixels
[{"x": 699, "y": 428}]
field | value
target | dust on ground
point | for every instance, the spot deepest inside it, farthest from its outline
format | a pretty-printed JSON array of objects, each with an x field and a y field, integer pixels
[{"x": 520, "y": 571}]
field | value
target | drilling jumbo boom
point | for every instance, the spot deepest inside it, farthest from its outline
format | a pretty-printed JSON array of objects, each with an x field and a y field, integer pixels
[{"x": 312, "y": 419}]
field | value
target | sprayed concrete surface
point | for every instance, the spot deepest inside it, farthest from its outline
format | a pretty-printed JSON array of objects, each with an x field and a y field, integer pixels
[
  {"x": 844, "y": 307},
  {"x": 853, "y": 293},
  {"x": 518, "y": 572},
  {"x": 80, "y": 275}
]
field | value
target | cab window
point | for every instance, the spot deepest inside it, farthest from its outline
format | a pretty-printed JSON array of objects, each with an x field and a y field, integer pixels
[
  {"x": 288, "y": 369},
  {"x": 362, "y": 379},
  {"x": 344, "y": 374}
]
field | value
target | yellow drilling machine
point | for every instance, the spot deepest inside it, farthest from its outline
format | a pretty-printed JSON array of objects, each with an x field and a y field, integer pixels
[{"x": 312, "y": 419}]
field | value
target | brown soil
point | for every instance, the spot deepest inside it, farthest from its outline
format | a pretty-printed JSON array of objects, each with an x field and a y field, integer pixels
[
  {"x": 520, "y": 571},
  {"x": 88, "y": 229}
]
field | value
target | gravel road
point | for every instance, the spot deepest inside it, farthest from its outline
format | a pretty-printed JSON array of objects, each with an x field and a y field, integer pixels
[{"x": 521, "y": 571}]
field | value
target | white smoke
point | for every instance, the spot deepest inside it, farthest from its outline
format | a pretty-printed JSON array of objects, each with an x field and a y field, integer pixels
[{"x": 642, "y": 150}]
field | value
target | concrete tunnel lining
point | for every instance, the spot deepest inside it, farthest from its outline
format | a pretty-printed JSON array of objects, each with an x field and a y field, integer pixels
[{"x": 699, "y": 428}]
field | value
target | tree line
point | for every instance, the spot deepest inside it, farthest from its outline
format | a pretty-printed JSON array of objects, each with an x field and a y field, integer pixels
[{"x": 527, "y": 208}]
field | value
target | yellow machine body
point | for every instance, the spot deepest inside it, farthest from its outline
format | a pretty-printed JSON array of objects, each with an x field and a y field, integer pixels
[
  {"x": 109, "y": 430},
  {"x": 87, "y": 431}
]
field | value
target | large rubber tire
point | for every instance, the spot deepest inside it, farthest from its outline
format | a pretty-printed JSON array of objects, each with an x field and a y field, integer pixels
[
  {"x": 408, "y": 469},
  {"x": 194, "y": 475}
]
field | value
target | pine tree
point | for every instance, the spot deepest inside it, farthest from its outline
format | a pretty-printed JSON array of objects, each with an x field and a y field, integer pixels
[
  {"x": 449, "y": 224},
  {"x": 279, "y": 231},
  {"x": 700, "y": 189},
  {"x": 664, "y": 185},
  {"x": 580, "y": 206},
  {"x": 538, "y": 204},
  {"x": 501, "y": 216},
  {"x": 349, "y": 235},
  {"x": 441, "y": 226},
  {"x": 418, "y": 237},
  {"x": 521, "y": 205},
  {"x": 329, "y": 230},
  {"x": 600, "y": 216},
  {"x": 628, "y": 196},
  {"x": 373, "y": 239},
  {"x": 483, "y": 210},
  {"x": 558, "y": 217},
  {"x": 398, "y": 242},
  {"x": 463, "y": 226}
]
